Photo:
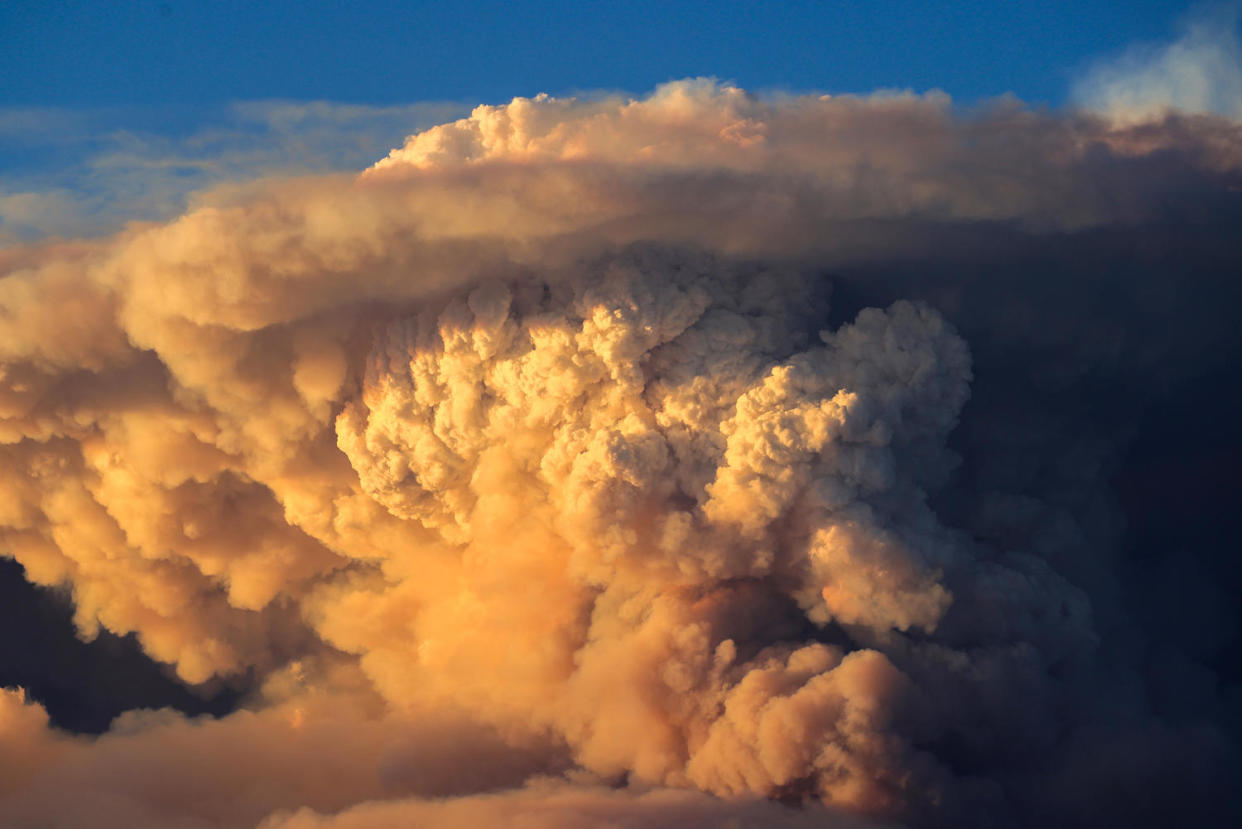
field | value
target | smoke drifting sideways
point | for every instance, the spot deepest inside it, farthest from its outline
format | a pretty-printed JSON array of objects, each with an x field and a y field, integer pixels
[{"x": 652, "y": 462}]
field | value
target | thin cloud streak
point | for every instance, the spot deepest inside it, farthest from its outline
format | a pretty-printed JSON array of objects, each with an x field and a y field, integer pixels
[{"x": 88, "y": 172}]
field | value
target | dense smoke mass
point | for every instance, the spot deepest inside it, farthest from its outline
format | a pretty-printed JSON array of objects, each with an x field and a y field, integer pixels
[{"x": 699, "y": 459}]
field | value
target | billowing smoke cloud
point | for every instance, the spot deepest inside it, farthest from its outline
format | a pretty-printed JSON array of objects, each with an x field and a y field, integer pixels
[{"x": 611, "y": 461}]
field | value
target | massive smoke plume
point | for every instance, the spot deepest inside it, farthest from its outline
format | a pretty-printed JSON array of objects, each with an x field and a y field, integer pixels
[{"x": 671, "y": 461}]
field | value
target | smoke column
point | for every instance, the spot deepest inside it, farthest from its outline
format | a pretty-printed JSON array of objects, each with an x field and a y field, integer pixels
[{"x": 669, "y": 461}]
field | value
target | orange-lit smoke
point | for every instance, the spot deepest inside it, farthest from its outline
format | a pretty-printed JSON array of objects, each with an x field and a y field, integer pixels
[{"x": 528, "y": 450}]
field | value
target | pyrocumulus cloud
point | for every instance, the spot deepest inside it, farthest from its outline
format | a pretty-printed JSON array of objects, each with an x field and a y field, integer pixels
[{"x": 536, "y": 476}]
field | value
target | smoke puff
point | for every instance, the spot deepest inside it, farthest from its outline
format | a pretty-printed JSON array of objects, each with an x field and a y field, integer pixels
[
  {"x": 1201, "y": 72},
  {"x": 545, "y": 430}
]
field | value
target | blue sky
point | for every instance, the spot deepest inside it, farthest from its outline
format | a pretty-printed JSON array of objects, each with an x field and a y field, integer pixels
[
  {"x": 152, "y": 52},
  {"x": 120, "y": 110}
]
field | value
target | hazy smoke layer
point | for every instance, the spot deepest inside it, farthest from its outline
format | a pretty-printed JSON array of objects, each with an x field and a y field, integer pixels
[{"x": 541, "y": 457}]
